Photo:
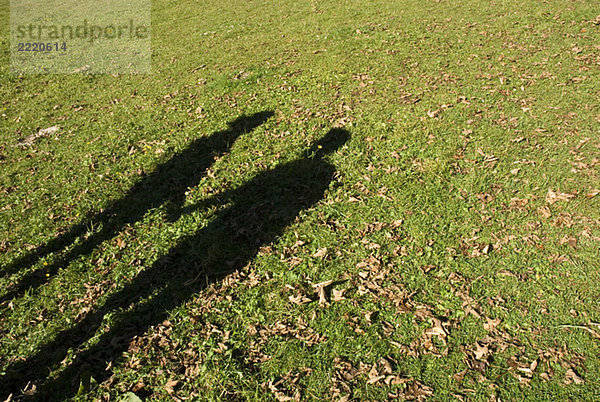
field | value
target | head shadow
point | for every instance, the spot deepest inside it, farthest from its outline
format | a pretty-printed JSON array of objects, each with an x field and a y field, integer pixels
[{"x": 329, "y": 143}]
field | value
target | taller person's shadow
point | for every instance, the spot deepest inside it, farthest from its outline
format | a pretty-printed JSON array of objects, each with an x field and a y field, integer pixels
[
  {"x": 255, "y": 214},
  {"x": 167, "y": 184}
]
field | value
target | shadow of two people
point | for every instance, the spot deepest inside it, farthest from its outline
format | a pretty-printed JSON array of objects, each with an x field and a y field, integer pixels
[
  {"x": 166, "y": 185},
  {"x": 256, "y": 214}
]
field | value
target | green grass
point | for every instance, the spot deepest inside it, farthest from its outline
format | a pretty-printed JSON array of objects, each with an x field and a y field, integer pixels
[{"x": 436, "y": 215}]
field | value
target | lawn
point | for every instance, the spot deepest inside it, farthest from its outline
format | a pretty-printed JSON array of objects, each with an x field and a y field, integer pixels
[{"x": 310, "y": 200}]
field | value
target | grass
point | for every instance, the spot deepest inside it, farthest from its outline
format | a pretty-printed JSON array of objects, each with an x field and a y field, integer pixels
[{"x": 454, "y": 207}]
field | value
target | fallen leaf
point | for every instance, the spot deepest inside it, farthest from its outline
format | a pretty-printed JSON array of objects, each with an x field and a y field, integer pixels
[
  {"x": 322, "y": 252},
  {"x": 120, "y": 243},
  {"x": 491, "y": 324},
  {"x": 300, "y": 299},
  {"x": 593, "y": 193},
  {"x": 572, "y": 377},
  {"x": 459, "y": 377},
  {"x": 387, "y": 365},
  {"x": 30, "y": 139},
  {"x": 481, "y": 351},
  {"x": 432, "y": 114},
  {"x": 545, "y": 212},
  {"x": 81, "y": 69},
  {"x": 570, "y": 240},
  {"x": 369, "y": 316},
  {"x": 170, "y": 385},
  {"x": 320, "y": 289},
  {"x": 553, "y": 196},
  {"x": 139, "y": 385},
  {"x": 338, "y": 294},
  {"x": 417, "y": 390},
  {"x": 374, "y": 376},
  {"x": 437, "y": 331}
]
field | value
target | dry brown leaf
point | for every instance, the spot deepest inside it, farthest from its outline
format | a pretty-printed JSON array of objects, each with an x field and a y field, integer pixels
[
  {"x": 526, "y": 370},
  {"x": 533, "y": 365},
  {"x": 369, "y": 263},
  {"x": 481, "y": 351},
  {"x": 553, "y": 197},
  {"x": 397, "y": 223},
  {"x": 593, "y": 193},
  {"x": 300, "y": 299},
  {"x": 433, "y": 114},
  {"x": 545, "y": 212},
  {"x": 375, "y": 379},
  {"x": 427, "y": 268},
  {"x": 397, "y": 380},
  {"x": 322, "y": 252},
  {"x": 323, "y": 284},
  {"x": 30, "y": 139},
  {"x": 374, "y": 376},
  {"x": 418, "y": 391},
  {"x": 387, "y": 365},
  {"x": 320, "y": 289},
  {"x": 491, "y": 324},
  {"x": 322, "y": 296},
  {"x": 518, "y": 202},
  {"x": 571, "y": 377},
  {"x": 338, "y": 294},
  {"x": 139, "y": 385},
  {"x": 570, "y": 240},
  {"x": 459, "y": 377},
  {"x": 437, "y": 331},
  {"x": 170, "y": 385}
]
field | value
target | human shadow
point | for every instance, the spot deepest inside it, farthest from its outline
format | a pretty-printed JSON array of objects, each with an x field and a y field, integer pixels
[
  {"x": 251, "y": 216},
  {"x": 167, "y": 184}
]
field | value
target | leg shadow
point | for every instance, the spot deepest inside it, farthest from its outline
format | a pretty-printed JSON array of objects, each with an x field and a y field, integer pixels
[
  {"x": 168, "y": 183},
  {"x": 257, "y": 214}
]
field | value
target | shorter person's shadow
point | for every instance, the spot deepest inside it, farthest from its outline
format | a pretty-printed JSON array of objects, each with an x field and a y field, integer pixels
[
  {"x": 166, "y": 185},
  {"x": 255, "y": 214}
]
